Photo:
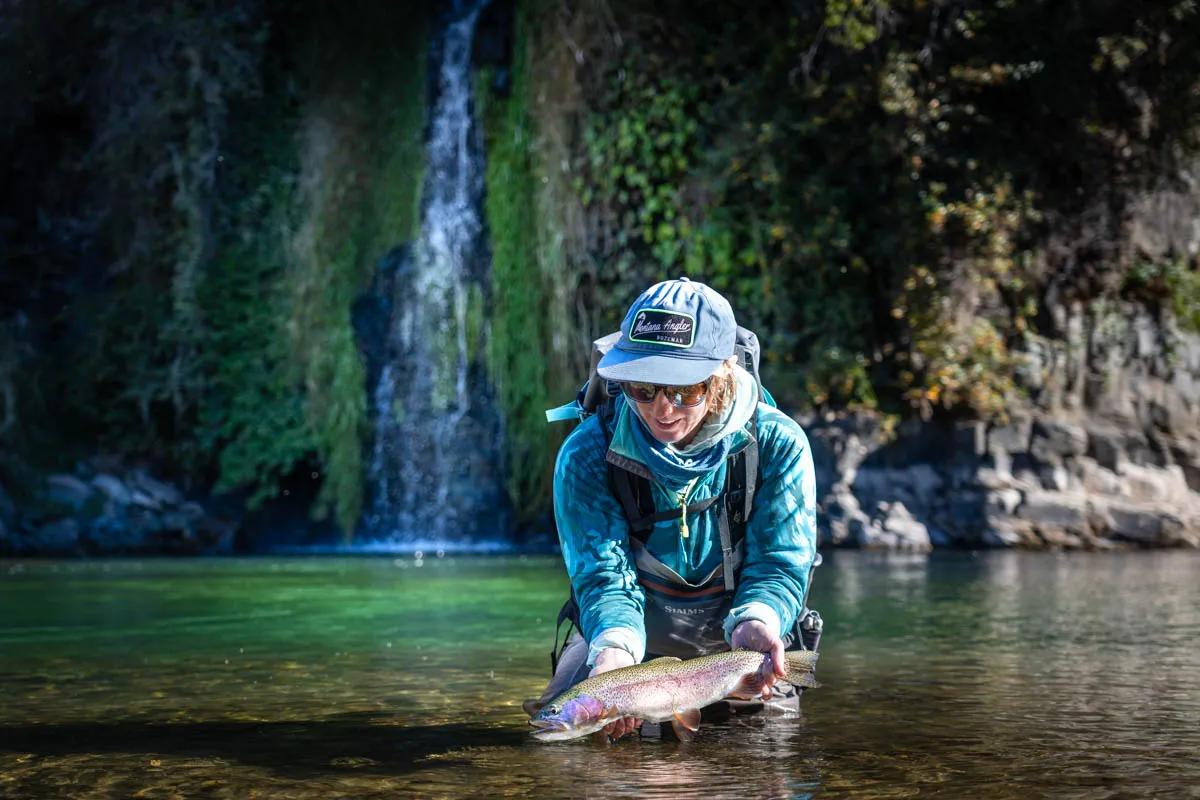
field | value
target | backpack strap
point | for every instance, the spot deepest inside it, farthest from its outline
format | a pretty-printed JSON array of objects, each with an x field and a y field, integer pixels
[
  {"x": 637, "y": 502},
  {"x": 569, "y": 613}
]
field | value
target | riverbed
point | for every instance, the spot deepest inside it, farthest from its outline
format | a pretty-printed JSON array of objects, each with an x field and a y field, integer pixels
[{"x": 997, "y": 674}]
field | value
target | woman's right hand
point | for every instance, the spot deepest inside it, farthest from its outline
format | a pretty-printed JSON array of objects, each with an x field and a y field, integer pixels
[{"x": 611, "y": 658}]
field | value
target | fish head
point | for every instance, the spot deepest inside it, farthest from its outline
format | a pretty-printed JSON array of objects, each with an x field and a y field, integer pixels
[{"x": 568, "y": 719}]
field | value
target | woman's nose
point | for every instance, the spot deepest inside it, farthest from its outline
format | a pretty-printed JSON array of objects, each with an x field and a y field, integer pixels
[{"x": 661, "y": 405}]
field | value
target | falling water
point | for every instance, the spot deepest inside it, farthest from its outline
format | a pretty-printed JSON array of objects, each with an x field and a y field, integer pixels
[{"x": 434, "y": 466}]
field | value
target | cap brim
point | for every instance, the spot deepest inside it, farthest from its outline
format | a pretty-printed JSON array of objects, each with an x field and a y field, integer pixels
[{"x": 619, "y": 365}]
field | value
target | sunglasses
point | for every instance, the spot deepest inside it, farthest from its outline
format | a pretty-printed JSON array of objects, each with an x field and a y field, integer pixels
[{"x": 678, "y": 396}]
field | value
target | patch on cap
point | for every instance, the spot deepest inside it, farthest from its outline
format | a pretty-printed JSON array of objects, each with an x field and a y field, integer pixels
[{"x": 659, "y": 326}]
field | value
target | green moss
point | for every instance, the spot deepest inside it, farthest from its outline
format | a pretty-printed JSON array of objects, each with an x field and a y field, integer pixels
[
  {"x": 1173, "y": 284},
  {"x": 252, "y": 412},
  {"x": 361, "y": 168},
  {"x": 521, "y": 322}
]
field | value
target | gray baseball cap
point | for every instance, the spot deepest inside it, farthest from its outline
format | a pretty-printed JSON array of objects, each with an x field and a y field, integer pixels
[{"x": 676, "y": 333}]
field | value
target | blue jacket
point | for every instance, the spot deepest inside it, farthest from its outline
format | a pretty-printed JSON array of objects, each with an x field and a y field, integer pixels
[{"x": 780, "y": 536}]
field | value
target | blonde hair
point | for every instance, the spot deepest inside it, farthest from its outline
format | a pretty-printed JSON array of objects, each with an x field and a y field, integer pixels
[{"x": 722, "y": 388}]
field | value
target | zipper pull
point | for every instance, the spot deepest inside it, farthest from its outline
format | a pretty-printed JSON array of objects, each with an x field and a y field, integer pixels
[{"x": 683, "y": 498}]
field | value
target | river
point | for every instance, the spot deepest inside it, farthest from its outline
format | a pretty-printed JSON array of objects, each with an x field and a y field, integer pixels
[{"x": 992, "y": 675}]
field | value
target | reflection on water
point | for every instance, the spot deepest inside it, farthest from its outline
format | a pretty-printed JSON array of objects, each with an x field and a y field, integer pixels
[{"x": 999, "y": 675}]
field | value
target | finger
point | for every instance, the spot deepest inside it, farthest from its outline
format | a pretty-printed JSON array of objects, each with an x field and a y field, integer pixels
[{"x": 778, "y": 659}]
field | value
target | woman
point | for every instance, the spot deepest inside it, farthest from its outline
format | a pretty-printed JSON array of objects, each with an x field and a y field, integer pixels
[{"x": 686, "y": 410}]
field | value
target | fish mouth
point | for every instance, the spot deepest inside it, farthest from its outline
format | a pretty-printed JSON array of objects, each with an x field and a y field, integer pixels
[{"x": 549, "y": 729}]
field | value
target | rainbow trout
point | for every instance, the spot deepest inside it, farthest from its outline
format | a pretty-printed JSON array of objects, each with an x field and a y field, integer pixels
[{"x": 662, "y": 689}]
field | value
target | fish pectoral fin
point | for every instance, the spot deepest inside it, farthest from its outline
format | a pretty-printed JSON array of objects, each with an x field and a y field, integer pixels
[
  {"x": 666, "y": 659},
  {"x": 689, "y": 719},
  {"x": 686, "y": 723}
]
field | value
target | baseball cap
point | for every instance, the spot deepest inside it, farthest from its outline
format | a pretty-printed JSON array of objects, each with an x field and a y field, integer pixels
[{"x": 677, "y": 332}]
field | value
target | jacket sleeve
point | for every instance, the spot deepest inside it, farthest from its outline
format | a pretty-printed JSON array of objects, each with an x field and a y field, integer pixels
[
  {"x": 781, "y": 537},
  {"x": 594, "y": 536}
]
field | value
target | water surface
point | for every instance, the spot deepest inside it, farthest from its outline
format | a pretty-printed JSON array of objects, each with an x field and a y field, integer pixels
[{"x": 994, "y": 675}]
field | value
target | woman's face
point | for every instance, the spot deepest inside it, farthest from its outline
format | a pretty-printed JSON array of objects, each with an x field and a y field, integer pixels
[{"x": 668, "y": 423}]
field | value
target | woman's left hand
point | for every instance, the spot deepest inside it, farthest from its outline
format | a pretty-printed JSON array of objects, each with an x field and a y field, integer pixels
[{"x": 754, "y": 635}]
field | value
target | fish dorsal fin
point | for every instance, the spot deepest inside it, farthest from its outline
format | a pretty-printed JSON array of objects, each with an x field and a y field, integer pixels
[{"x": 664, "y": 660}]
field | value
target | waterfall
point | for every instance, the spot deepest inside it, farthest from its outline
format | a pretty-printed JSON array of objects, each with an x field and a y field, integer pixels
[{"x": 434, "y": 466}]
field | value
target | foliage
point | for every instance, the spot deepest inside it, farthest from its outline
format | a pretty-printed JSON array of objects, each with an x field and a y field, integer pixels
[
  {"x": 221, "y": 182},
  {"x": 869, "y": 182},
  {"x": 521, "y": 292},
  {"x": 252, "y": 413},
  {"x": 1173, "y": 284},
  {"x": 160, "y": 98}
]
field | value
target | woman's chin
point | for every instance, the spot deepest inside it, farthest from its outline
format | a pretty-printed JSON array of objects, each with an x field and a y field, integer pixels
[{"x": 671, "y": 434}]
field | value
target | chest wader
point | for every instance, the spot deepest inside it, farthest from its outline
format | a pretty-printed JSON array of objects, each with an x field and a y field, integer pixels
[{"x": 685, "y": 619}]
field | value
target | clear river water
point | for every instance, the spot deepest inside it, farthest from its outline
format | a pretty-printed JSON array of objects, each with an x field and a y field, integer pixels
[{"x": 959, "y": 675}]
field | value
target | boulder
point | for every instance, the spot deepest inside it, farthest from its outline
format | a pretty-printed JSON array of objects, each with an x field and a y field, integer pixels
[
  {"x": 8, "y": 509},
  {"x": 992, "y": 479},
  {"x": 139, "y": 498},
  {"x": 1166, "y": 485},
  {"x": 1057, "y": 539},
  {"x": 1097, "y": 479},
  {"x": 1143, "y": 524},
  {"x": 1011, "y": 438},
  {"x": 1053, "y": 440},
  {"x": 1002, "y": 502},
  {"x": 870, "y": 536},
  {"x": 59, "y": 537},
  {"x": 112, "y": 488},
  {"x": 1055, "y": 477},
  {"x": 67, "y": 491},
  {"x": 839, "y": 510},
  {"x": 909, "y": 534},
  {"x": 161, "y": 493},
  {"x": 113, "y": 534},
  {"x": 1107, "y": 447},
  {"x": 1008, "y": 534},
  {"x": 1054, "y": 510}
]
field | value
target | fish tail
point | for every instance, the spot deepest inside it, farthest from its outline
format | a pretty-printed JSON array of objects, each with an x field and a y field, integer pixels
[{"x": 800, "y": 665}]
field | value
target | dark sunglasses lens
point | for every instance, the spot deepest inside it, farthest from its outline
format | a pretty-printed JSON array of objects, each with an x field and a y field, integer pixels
[
  {"x": 688, "y": 395},
  {"x": 678, "y": 395},
  {"x": 641, "y": 392}
]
